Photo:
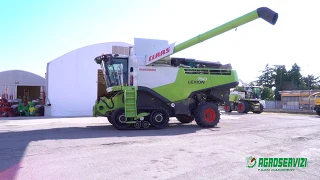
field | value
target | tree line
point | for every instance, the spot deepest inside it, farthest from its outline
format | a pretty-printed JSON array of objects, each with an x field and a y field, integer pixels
[{"x": 277, "y": 78}]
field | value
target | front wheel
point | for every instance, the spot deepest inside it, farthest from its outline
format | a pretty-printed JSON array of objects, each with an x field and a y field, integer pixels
[
  {"x": 109, "y": 119},
  {"x": 207, "y": 115},
  {"x": 243, "y": 107},
  {"x": 119, "y": 120},
  {"x": 227, "y": 108}
]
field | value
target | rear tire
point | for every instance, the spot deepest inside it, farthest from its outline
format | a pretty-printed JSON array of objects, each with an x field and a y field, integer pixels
[
  {"x": 207, "y": 115},
  {"x": 318, "y": 111},
  {"x": 243, "y": 107},
  {"x": 185, "y": 119}
]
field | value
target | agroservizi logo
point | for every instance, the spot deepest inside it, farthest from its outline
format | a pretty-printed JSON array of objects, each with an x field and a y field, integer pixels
[
  {"x": 251, "y": 162},
  {"x": 276, "y": 164}
]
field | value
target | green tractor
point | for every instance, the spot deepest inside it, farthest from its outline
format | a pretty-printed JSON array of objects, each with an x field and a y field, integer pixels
[
  {"x": 246, "y": 100},
  {"x": 145, "y": 86}
]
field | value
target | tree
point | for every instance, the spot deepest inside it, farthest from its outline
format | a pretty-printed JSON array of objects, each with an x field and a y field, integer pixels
[
  {"x": 267, "y": 79},
  {"x": 295, "y": 78},
  {"x": 281, "y": 80},
  {"x": 267, "y": 94},
  {"x": 311, "y": 82}
]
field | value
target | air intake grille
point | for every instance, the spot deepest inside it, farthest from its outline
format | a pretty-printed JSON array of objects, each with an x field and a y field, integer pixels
[
  {"x": 208, "y": 71},
  {"x": 120, "y": 50}
]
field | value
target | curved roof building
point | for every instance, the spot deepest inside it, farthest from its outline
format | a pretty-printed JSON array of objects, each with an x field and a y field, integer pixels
[
  {"x": 72, "y": 80},
  {"x": 14, "y": 83}
]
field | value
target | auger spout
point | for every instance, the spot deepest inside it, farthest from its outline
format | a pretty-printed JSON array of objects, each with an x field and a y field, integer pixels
[{"x": 263, "y": 12}]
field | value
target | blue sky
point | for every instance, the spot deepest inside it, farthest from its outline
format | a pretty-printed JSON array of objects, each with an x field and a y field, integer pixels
[{"x": 35, "y": 32}]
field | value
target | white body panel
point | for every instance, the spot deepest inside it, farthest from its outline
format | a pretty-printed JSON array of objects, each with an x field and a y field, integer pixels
[
  {"x": 145, "y": 47},
  {"x": 72, "y": 80},
  {"x": 155, "y": 76},
  {"x": 149, "y": 51}
]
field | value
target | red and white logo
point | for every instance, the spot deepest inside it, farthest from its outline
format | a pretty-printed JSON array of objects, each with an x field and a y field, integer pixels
[
  {"x": 159, "y": 54},
  {"x": 164, "y": 52}
]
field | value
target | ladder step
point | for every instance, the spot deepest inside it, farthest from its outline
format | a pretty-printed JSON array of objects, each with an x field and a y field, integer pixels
[{"x": 130, "y": 103}]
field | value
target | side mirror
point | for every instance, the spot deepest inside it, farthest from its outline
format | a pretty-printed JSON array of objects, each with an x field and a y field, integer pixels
[{"x": 110, "y": 59}]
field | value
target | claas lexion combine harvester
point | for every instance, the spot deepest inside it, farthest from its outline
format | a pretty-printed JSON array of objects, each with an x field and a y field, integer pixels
[{"x": 146, "y": 87}]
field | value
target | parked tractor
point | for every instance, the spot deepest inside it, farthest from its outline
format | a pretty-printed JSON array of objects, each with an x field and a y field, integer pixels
[
  {"x": 244, "y": 101},
  {"x": 146, "y": 86}
]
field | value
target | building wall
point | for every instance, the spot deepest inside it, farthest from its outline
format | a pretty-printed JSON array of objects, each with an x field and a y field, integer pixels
[
  {"x": 298, "y": 99},
  {"x": 72, "y": 80},
  {"x": 9, "y": 80}
]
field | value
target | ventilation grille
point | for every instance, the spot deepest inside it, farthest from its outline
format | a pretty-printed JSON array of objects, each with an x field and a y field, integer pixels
[
  {"x": 208, "y": 71},
  {"x": 120, "y": 50}
]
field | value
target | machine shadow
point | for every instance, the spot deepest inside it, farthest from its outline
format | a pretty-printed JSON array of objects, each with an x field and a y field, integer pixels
[
  {"x": 234, "y": 113},
  {"x": 14, "y": 144}
]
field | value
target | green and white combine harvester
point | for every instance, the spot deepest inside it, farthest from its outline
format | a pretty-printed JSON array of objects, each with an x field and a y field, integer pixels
[{"x": 146, "y": 86}]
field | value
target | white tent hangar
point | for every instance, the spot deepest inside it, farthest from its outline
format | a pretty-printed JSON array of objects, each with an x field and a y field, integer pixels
[
  {"x": 72, "y": 80},
  {"x": 14, "y": 84}
]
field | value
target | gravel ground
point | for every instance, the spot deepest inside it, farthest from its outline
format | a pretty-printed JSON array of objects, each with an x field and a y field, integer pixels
[{"x": 90, "y": 148}]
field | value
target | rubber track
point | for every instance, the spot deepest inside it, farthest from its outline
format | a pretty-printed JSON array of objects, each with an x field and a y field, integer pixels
[{"x": 144, "y": 109}]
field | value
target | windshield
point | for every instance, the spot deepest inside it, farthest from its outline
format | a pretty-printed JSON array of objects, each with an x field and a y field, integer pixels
[{"x": 115, "y": 74}]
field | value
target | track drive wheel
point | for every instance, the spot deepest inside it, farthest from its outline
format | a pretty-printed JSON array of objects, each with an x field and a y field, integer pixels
[
  {"x": 261, "y": 110},
  {"x": 159, "y": 118},
  {"x": 207, "y": 115},
  {"x": 185, "y": 118},
  {"x": 109, "y": 119},
  {"x": 119, "y": 119},
  {"x": 243, "y": 107}
]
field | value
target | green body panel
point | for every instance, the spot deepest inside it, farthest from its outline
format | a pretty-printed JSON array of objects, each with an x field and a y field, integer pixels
[
  {"x": 185, "y": 84},
  {"x": 130, "y": 101},
  {"x": 218, "y": 30},
  {"x": 129, "y": 96},
  {"x": 234, "y": 97},
  {"x": 100, "y": 108}
]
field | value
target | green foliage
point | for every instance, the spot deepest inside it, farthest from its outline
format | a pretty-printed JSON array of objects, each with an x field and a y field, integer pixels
[
  {"x": 311, "y": 82},
  {"x": 267, "y": 94},
  {"x": 267, "y": 78},
  {"x": 295, "y": 78},
  {"x": 279, "y": 78}
]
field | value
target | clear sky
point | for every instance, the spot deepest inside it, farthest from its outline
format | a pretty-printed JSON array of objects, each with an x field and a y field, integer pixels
[{"x": 35, "y": 32}]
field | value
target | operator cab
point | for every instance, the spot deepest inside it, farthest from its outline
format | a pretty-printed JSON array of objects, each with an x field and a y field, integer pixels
[{"x": 114, "y": 68}]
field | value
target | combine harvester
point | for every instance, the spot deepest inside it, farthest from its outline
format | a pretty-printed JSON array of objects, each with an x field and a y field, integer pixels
[{"x": 147, "y": 87}]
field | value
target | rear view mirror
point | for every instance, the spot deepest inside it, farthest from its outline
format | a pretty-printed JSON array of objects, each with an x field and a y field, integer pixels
[{"x": 110, "y": 58}]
